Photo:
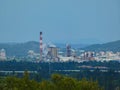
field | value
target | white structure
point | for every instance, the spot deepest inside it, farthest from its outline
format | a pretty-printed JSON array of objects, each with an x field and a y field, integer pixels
[
  {"x": 31, "y": 53},
  {"x": 66, "y": 59},
  {"x": 2, "y": 54}
]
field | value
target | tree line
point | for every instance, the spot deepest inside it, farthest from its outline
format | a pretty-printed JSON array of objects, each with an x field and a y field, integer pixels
[{"x": 56, "y": 82}]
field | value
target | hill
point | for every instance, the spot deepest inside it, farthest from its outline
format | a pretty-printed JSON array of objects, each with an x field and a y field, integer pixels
[
  {"x": 21, "y": 49},
  {"x": 110, "y": 46}
]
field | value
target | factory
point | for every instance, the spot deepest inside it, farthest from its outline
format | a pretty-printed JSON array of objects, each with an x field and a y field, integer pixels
[
  {"x": 47, "y": 52},
  {"x": 51, "y": 53}
]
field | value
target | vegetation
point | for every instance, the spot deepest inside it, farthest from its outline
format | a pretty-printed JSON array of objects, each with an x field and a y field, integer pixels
[
  {"x": 30, "y": 66},
  {"x": 57, "y": 82},
  {"x": 20, "y": 49},
  {"x": 111, "y": 46},
  {"x": 108, "y": 79}
]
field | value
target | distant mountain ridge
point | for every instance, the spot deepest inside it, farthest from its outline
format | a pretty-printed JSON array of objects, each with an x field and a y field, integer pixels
[
  {"x": 21, "y": 49},
  {"x": 110, "y": 46}
]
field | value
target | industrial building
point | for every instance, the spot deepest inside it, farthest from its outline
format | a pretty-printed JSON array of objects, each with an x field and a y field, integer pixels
[
  {"x": 68, "y": 50},
  {"x": 52, "y": 51},
  {"x": 2, "y": 54}
]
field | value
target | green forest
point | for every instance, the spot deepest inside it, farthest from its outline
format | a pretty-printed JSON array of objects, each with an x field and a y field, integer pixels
[
  {"x": 56, "y": 82},
  {"x": 107, "y": 79}
]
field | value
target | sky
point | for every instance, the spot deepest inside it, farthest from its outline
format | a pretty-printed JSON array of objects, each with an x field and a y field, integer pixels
[{"x": 61, "y": 21}]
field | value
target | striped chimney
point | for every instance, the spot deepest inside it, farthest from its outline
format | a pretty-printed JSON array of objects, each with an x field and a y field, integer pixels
[{"x": 41, "y": 46}]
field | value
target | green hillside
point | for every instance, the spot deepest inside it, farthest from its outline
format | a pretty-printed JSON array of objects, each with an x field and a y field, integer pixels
[
  {"x": 110, "y": 46},
  {"x": 20, "y": 49}
]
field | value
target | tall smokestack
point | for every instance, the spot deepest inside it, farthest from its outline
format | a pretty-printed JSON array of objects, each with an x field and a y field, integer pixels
[
  {"x": 68, "y": 50},
  {"x": 41, "y": 46}
]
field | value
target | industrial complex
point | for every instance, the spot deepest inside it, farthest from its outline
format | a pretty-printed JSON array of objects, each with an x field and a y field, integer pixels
[{"x": 51, "y": 53}]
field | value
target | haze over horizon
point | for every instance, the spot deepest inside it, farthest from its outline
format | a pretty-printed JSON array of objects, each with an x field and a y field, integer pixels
[{"x": 63, "y": 21}]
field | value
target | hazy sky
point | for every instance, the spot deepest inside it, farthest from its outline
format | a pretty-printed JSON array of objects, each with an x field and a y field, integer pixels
[{"x": 67, "y": 21}]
